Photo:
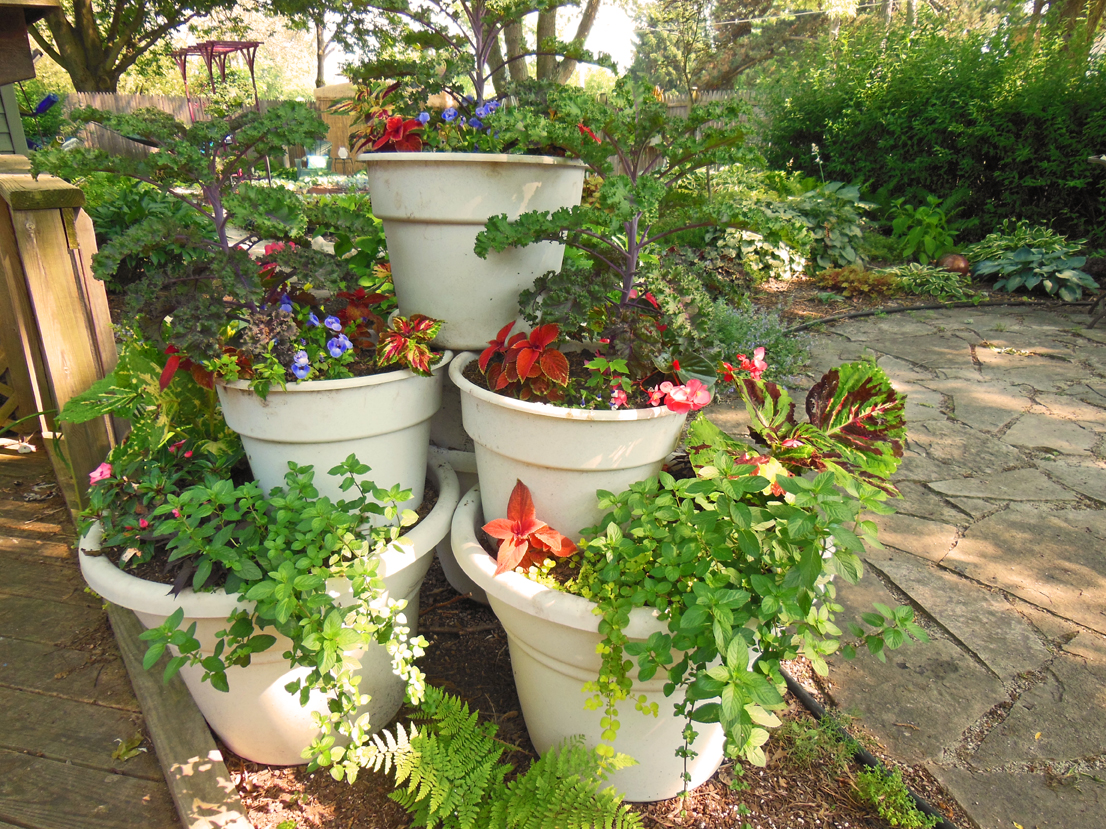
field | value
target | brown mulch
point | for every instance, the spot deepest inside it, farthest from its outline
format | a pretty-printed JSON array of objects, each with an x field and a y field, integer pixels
[{"x": 468, "y": 656}]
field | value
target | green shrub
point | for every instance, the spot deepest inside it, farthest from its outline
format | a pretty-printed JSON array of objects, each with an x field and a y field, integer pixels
[
  {"x": 742, "y": 330},
  {"x": 888, "y": 793},
  {"x": 39, "y": 129},
  {"x": 1008, "y": 119},
  {"x": 922, "y": 232}
]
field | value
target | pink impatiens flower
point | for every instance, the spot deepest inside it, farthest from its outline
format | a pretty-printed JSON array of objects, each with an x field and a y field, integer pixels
[{"x": 100, "y": 473}]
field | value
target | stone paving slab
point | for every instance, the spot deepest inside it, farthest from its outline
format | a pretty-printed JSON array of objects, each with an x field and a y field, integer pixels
[
  {"x": 916, "y": 681},
  {"x": 982, "y": 621},
  {"x": 1041, "y": 557},
  {"x": 1005, "y": 800},
  {"x": 1018, "y": 485},
  {"x": 1000, "y": 542}
]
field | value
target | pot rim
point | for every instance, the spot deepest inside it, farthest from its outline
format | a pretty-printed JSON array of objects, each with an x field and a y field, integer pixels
[
  {"x": 457, "y": 367},
  {"x": 344, "y": 383},
  {"x": 529, "y": 596},
  {"x": 126, "y": 590},
  {"x": 433, "y": 157}
]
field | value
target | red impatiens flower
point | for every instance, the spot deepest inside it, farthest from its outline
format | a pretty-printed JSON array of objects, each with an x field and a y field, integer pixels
[{"x": 524, "y": 540}]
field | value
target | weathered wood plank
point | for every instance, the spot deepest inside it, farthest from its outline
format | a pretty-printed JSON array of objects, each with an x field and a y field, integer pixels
[
  {"x": 69, "y": 345},
  {"x": 198, "y": 779},
  {"x": 22, "y": 192},
  {"x": 45, "y": 622},
  {"x": 45, "y": 794},
  {"x": 25, "y": 518},
  {"x": 60, "y": 729},
  {"x": 78, "y": 675},
  {"x": 31, "y": 548},
  {"x": 14, "y": 165},
  {"x": 95, "y": 294},
  {"x": 44, "y": 580},
  {"x": 18, "y": 334}
]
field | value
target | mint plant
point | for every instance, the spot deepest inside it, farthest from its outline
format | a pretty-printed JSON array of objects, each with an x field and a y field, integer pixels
[{"x": 278, "y": 551}]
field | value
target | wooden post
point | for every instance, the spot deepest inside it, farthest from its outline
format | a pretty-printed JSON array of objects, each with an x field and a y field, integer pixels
[{"x": 56, "y": 330}]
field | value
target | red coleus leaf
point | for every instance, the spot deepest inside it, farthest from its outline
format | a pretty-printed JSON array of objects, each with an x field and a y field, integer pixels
[
  {"x": 171, "y": 366},
  {"x": 523, "y": 538},
  {"x": 496, "y": 346},
  {"x": 543, "y": 336},
  {"x": 396, "y": 130},
  {"x": 554, "y": 365}
]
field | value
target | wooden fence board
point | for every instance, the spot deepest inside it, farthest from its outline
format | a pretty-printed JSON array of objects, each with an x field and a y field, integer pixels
[{"x": 26, "y": 370}]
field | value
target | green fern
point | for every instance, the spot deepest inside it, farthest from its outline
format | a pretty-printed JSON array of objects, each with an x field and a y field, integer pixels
[{"x": 448, "y": 773}]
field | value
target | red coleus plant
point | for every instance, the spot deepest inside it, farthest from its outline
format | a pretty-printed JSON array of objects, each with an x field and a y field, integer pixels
[
  {"x": 408, "y": 342},
  {"x": 528, "y": 366},
  {"x": 524, "y": 540},
  {"x": 400, "y": 133},
  {"x": 359, "y": 319}
]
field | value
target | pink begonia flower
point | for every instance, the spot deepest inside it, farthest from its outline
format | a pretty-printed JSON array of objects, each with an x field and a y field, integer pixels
[
  {"x": 618, "y": 398},
  {"x": 100, "y": 473},
  {"x": 658, "y": 393},
  {"x": 689, "y": 397}
]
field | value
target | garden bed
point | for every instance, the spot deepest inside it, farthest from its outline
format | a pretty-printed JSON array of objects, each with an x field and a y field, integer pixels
[{"x": 468, "y": 656}]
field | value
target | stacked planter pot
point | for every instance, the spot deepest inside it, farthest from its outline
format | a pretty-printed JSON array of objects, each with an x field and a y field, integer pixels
[
  {"x": 383, "y": 419},
  {"x": 258, "y": 719},
  {"x": 552, "y": 638},
  {"x": 434, "y": 204},
  {"x": 564, "y": 456}
]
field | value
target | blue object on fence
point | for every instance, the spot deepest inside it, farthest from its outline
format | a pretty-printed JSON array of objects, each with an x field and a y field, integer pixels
[{"x": 45, "y": 104}]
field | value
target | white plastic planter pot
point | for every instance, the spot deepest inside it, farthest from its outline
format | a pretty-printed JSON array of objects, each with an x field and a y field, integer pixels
[
  {"x": 464, "y": 464},
  {"x": 433, "y": 205},
  {"x": 552, "y": 638},
  {"x": 563, "y": 455},
  {"x": 383, "y": 419},
  {"x": 257, "y": 718}
]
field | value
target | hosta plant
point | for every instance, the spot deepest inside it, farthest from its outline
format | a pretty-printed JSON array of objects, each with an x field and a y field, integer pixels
[
  {"x": 738, "y": 558},
  {"x": 1057, "y": 271}
]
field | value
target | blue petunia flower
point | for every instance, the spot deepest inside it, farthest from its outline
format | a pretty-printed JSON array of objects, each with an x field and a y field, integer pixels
[
  {"x": 492, "y": 106},
  {"x": 424, "y": 118},
  {"x": 482, "y": 112},
  {"x": 301, "y": 371},
  {"x": 285, "y": 304},
  {"x": 335, "y": 347},
  {"x": 333, "y": 323},
  {"x": 475, "y": 124},
  {"x": 300, "y": 358},
  {"x": 344, "y": 341},
  {"x": 449, "y": 114},
  {"x": 464, "y": 121},
  {"x": 313, "y": 320}
]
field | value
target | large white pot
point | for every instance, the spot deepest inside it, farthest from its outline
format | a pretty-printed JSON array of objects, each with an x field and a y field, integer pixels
[
  {"x": 257, "y": 718},
  {"x": 434, "y": 204},
  {"x": 563, "y": 455},
  {"x": 552, "y": 638},
  {"x": 383, "y": 419},
  {"x": 464, "y": 464}
]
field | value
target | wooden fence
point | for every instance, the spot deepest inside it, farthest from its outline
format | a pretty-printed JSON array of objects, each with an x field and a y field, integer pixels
[{"x": 99, "y": 137}]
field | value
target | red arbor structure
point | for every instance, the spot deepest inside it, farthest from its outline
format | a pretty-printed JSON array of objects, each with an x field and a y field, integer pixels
[{"x": 215, "y": 53}]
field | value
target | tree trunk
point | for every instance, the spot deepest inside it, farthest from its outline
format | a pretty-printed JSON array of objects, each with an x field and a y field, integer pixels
[
  {"x": 547, "y": 28},
  {"x": 320, "y": 51},
  {"x": 516, "y": 45},
  {"x": 911, "y": 12},
  {"x": 886, "y": 10},
  {"x": 587, "y": 20},
  {"x": 499, "y": 74}
]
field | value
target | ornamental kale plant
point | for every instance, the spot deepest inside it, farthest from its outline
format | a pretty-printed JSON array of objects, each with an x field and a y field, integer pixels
[
  {"x": 211, "y": 167},
  {"x": 739, "y": 559},
  {"x": 641, "y": 204}
]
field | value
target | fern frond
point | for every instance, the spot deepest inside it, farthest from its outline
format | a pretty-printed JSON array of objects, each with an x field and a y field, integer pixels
[{"x": 562, "y": 791}]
